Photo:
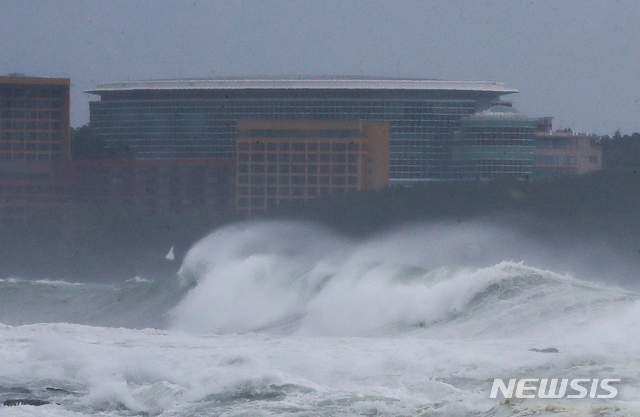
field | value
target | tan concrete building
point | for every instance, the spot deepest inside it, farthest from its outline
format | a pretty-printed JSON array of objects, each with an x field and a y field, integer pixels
[
  {"x": 564, "y": 152},
  {"x": 289, "y": 160}
]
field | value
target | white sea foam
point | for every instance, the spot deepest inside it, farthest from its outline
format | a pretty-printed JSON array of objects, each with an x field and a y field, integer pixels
[
  {"x": 289, "y": 319},
  {"x": 279, "y": 276}
]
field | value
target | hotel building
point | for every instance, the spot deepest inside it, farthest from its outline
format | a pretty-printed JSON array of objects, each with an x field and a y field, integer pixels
[
  {"x": 200, "y": 118},
  {"x": 34, "y": 143},
  {"x": 297, "y": 160}
]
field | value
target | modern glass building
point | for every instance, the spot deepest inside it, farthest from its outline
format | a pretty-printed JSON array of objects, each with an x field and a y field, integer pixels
[
  {"x": 493, "y": 143},
  {"x": 199, "y": 118}
]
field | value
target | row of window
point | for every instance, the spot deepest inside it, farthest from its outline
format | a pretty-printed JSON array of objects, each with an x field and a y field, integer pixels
[
  {"x": 130, "y": 171},
  {"x": 174, "y": 203},
  {"x": 289, "y": 192},
  {"x": 17, "y": 125},
  {"x": 147, "y": 191},
  {"x": 202, "y": 115},
  {"x": 524, "y": 175},
  {"x": 29, "y": 146},
  {"x": 300, "y": 146},
  {"x": 32, "y": 92},
  {"x": 188, "y": 181},
  {"x": 496, "y": 162},
  {"x": 500, "y": 141},
  {"x": 30, "y": 136},
  {"x": 138, "y": 126},
  {"x": 326, "y": 158},
  {"x": 299, "y": 180},
  {"x": 19, "y": 114},
  {"x": 294, "y": 133},
  {"x": 302, "y": 169},
  {"x": 43, "y": 157},
  {"x": 195, "y": 154},
  {"x": 295, "y": 169},
  {"x": 503, "y": 129}
]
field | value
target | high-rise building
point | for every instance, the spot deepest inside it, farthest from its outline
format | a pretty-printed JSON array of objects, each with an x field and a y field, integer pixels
[
  {"x": 297, "y": 160},
  {"x": 34, "y": 118},
  {"x": 34, "y": 143},
  {"x": 200, "y": 118}
]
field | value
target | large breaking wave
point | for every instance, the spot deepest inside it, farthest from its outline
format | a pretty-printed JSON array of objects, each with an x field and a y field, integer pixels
[
  {"x": 465, "y": 279},
  {"x": 297, "y": 278}
]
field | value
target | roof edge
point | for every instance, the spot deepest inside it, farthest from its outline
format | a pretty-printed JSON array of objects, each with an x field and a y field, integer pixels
[{"x": 337, "y": 83}]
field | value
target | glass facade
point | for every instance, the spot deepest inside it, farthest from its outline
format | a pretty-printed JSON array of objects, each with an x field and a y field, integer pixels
[
  {"x": 494, "y": 143},
  {"x": 202, "y": 123}
]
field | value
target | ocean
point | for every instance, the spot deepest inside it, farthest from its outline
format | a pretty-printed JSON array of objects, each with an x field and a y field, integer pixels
[{"x": 293, "y": 319}]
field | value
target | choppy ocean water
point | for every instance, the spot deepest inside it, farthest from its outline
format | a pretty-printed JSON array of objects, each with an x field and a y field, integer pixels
[{"x": 290, "y": 319}]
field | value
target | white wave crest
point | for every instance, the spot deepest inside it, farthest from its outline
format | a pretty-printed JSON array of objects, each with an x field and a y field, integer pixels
[{"x": 295, "y": 277}]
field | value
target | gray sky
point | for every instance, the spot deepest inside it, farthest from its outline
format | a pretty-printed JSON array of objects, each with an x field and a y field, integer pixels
[{"x": 578, "y": 61}]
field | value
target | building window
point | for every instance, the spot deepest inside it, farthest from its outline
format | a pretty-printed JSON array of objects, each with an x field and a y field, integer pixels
[{"x": 338, "y": 180}]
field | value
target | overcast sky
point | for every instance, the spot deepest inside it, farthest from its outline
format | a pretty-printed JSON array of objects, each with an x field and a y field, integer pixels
[{"x": 578, "y": 61}]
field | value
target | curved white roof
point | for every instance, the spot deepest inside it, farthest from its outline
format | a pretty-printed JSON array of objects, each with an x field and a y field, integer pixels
[{"x": 332, "y": 83}]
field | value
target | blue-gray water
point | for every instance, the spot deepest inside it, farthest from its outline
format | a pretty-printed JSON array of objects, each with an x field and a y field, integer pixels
[{"x": 290, "y": 319}]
